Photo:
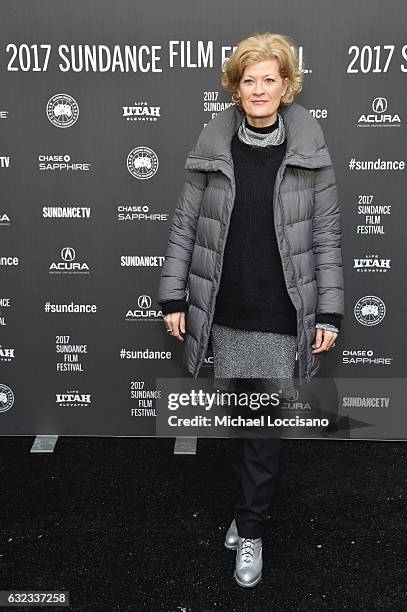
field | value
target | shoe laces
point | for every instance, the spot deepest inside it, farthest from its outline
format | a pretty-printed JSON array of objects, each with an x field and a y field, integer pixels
[{"x": 247, "y": 550}]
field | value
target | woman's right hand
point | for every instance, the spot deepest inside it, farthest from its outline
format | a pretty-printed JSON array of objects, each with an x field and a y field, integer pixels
[{"x": 175, "y": 321}]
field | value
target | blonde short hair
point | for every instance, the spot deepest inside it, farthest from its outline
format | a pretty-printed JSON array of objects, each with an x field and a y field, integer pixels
[{"x": 257, "y": 48}]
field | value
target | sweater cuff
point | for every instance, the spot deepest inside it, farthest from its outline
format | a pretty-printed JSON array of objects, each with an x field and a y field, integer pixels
[
  {"x": 327, "y": 326},
  {"x": 331, "y": 318},
  {"x": 174, "y": 306}
]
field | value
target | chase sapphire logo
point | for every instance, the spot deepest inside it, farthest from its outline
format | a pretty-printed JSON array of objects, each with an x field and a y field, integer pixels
[
  {"x": 62, "y": 110},
  {"x": 142, "y": 162}
]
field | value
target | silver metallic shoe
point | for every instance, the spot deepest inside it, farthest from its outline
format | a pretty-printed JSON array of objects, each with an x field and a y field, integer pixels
[
  {"x": 249, "y": 562},
  {"x": 232, "y": 536}
]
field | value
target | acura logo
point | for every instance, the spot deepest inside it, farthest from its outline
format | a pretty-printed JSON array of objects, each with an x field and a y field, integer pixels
[
  {"x": 144, "y": 302},
  {"x": 379, "y": 105},
  {"x": 68, "y": 254}
]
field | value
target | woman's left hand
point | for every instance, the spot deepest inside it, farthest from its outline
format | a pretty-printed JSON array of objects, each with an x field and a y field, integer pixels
[{"x": 324, "y": 340}]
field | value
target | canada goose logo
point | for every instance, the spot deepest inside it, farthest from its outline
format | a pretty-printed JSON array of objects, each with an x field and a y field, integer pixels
[
  {"x": 142, "y": 162},
  {"x": 6, "y": 398},
  {"x": 62, "y": 110},
  {"x": 369, "y": 310}
]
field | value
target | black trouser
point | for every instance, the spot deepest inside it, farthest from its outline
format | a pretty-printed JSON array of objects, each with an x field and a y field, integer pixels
[{"x": 254, "y": 463}]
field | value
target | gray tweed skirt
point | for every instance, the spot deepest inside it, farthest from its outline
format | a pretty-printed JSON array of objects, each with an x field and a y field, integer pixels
[{"x": 267, "y": 357}]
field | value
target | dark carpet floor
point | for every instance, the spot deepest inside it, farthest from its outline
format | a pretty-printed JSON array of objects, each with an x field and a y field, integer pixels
[{"x": 123, "y": 524}]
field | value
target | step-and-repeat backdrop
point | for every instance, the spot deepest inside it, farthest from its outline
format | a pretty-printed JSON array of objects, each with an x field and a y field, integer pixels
[{"x": 99, "y": 104}]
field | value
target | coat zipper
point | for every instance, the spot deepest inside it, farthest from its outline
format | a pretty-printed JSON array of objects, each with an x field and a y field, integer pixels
[
  {"x": 295, "y": 277},
  {"x": 224, "y": 246},
  {"x": 218, "y": 284}
]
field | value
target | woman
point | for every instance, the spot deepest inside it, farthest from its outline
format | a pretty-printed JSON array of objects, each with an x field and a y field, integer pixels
[{"x": 254, "y": 257}]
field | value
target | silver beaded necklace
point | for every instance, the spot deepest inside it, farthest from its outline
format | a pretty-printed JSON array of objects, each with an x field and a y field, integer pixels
[{"x": 262, "y": 139}]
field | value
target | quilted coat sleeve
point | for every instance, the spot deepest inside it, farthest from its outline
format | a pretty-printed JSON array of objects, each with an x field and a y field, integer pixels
[
  {"x": 326, "y": 237},
  {"x": 175, "y": 269}
]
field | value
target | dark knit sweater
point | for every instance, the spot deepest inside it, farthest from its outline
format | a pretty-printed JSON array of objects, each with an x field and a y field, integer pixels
[{"x": 252, "y": 293}]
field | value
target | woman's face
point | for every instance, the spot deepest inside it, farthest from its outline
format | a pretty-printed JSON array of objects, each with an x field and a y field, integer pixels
[{"x": 261, "y": 88}]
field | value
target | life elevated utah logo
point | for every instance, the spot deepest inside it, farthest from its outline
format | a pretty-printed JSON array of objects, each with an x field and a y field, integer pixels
[
  {"x": 73, "y": 399},
  {"x": 68, "y": 265},
  {"x": 371, "y": 263},
  {"x": 7, "y": 353},
  {"x": 141, "y": 111},
  {"x": 379, "y": 117},
  {"x": 142, "y": 162},
  {"x": 62, "y": 110}
]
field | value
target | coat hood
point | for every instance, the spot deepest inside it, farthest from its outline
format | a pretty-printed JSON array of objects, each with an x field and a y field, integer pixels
[{"x": 305, "y": 140}]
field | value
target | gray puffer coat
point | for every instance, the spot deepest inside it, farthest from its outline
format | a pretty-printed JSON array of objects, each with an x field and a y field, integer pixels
[{"x": 307, "y": 225}]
